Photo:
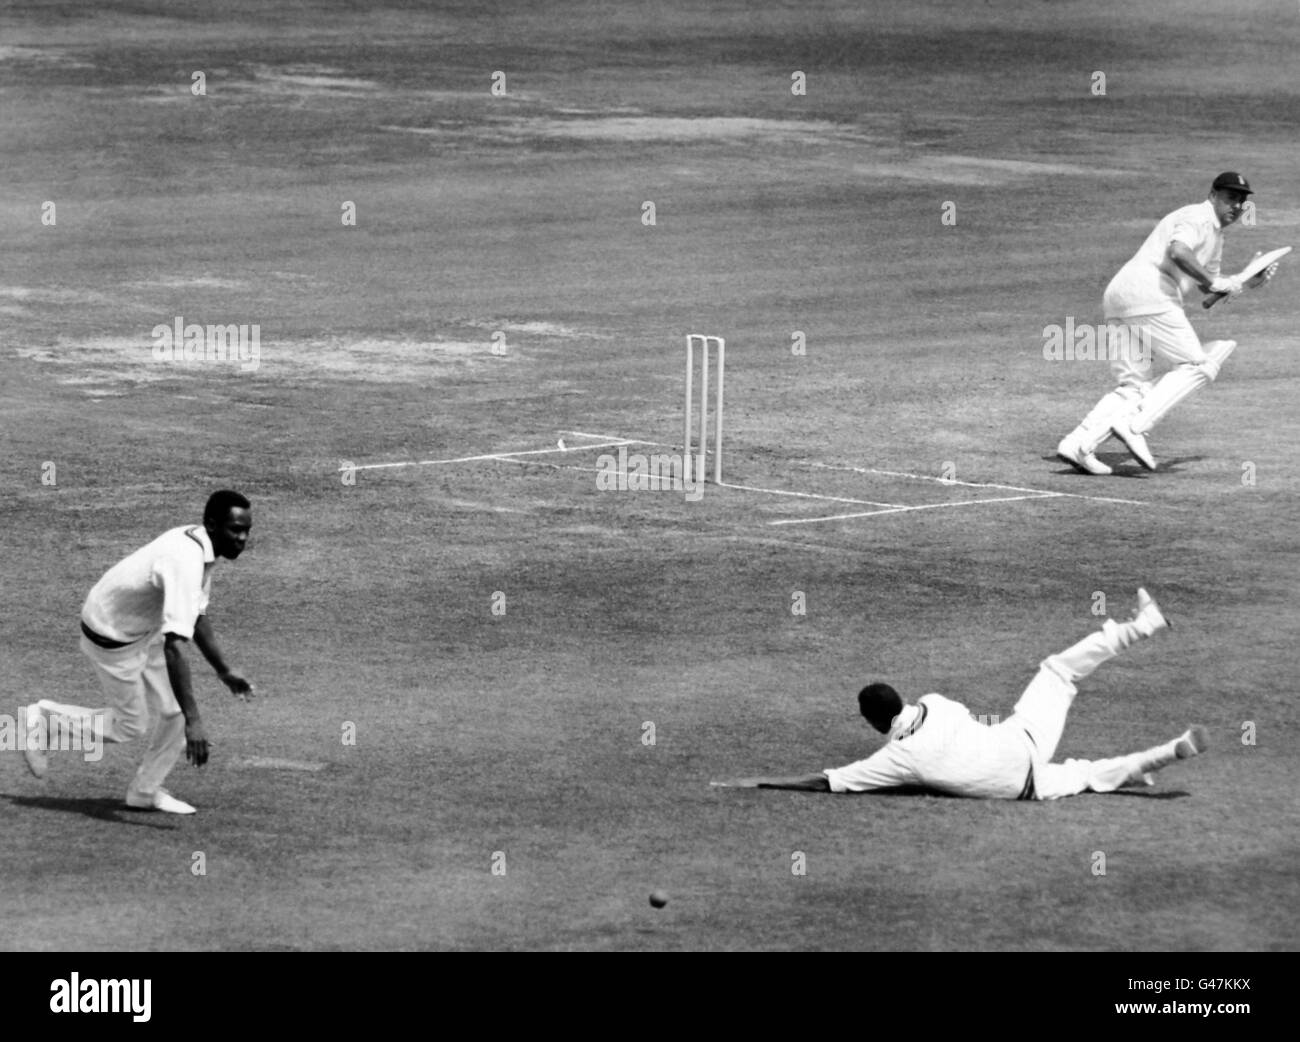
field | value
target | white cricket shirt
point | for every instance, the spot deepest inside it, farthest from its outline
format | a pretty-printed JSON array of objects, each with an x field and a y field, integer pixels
[
  {"x": 163, "y": 586},
  {"x": 1150, "y": 282},
  {"x": 941, "y": 746}
]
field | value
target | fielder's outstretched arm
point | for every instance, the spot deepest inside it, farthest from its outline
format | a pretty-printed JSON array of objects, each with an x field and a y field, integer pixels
[
  {"x": 807, "y": 782},
  {"x": 206, "y": 640},
  {"x": 178, "y": 675}
]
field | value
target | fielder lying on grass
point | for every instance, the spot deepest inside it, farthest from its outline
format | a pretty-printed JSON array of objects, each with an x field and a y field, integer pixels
[{"x": 937, "y": 744}]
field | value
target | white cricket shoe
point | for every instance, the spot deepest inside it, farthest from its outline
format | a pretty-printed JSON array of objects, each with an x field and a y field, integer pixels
[
  {"x": 1137, "y": 443},
  {"x": 1072, "y": 452},
  {"x": 1193, "y": 741},
  {"x": 1138, "y": 777},
  {"x": 37, "y": 762},
  {"x": 159, "y": 800},
  {"x": 1148, "y": 618}
]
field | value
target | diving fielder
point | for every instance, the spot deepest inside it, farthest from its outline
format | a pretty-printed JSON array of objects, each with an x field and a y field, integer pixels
[
  {"x": 937, "y": 745},
  {"x": 135, "y": 624},
  {"x": 1144, "y": 306}
]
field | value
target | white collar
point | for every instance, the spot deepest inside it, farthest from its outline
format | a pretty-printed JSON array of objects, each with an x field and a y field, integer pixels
[
  {"x": 200, "y": 535},
  {"x": 906, "y": 718}
]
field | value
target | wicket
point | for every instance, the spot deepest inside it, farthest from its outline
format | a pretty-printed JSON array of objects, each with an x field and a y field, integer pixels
[{"x": 701, "y": 464}]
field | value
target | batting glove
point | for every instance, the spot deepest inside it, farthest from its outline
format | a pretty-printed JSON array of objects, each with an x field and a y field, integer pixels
[{"x": 1230, "y": 285}]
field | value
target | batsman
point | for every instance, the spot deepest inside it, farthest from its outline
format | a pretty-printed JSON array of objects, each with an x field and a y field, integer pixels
[{"x": 1144, "y": 302}]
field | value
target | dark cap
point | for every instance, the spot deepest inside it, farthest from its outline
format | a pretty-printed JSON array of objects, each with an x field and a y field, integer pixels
[{"x": 1234, "y": 181}]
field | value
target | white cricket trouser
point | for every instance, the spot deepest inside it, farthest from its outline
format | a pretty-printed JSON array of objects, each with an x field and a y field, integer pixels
[
  {"x": 1171, "y": 337},
  {"x": 1042, "y": 711},
  {"x": 1142, "y": 400},
  {"x": 134, "y": 681}
]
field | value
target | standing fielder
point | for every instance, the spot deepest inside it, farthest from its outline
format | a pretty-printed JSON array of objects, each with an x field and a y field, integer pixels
[
  {"x": 134, "y": 627},
  {"x": 937, "y": 744},
  {"x": 1144, "y": 305}
]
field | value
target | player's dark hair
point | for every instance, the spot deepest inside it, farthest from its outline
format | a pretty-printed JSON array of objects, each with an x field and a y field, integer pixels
[
  {"x": 220, "y": 502},
  {"x": 879, "y": 704}
]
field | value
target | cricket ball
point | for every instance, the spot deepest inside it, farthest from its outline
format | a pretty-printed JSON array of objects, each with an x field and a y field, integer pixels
[{"x": 658, "y": 899}]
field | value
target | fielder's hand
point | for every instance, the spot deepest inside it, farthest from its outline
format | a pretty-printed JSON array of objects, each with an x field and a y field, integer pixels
[
  {"x": 196, "y": 743},
  {"x": 238, "y": 685}
]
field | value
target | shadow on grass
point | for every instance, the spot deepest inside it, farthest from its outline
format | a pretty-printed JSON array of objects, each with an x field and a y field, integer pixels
[
  {"x": 1177, "y": 464},
  {"x": 915, "y": 791},
  {"x": 1172, "y": 794},
  {"x": 100, "y": 808},
  {"x": 1124, "y": 466}
]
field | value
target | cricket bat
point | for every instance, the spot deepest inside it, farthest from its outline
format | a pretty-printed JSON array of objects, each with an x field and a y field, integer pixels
[{"x": 1249, "y": 272}]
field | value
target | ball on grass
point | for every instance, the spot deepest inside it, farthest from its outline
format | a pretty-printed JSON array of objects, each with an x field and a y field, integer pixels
[{"x": 658, "y": 899}]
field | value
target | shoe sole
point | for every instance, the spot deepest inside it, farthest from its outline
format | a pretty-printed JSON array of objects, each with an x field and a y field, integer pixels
[
  {"x": 1123, "y": 436},
  {"x": 159, "y": 810},
  {"x": 1194, "y": 742},
  {"x": 1148, "y": 603},
  {"x": 1080, "y": 467}
]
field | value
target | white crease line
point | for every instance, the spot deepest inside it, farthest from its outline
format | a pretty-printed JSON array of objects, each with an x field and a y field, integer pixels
[
  {"x": 585, "y": 470},
  {"x": 609, "y": 437},
  {"x": 974, "y": 484},
  {"x": 501, "y": 456},
  {"x": 709, "y": 484},
  {"x": 805, "y": 495},
  {"x": 923, "y": 506},
  {"x": 594, "y": 470},
  {"x": 1101, "y": 499}
]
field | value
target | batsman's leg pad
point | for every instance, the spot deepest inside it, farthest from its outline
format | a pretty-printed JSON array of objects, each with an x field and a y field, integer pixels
[
  {"x": 1217, "y": 352},
  {"x": 1169, "y": 390},
  {"x": 1095, "y": 427}
]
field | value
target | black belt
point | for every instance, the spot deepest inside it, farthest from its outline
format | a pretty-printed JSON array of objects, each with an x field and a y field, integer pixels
[{"x": 102, "y": 641}]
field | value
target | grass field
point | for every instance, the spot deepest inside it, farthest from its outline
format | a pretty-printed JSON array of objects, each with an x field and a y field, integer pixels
[{"x": 501, "y": 291}]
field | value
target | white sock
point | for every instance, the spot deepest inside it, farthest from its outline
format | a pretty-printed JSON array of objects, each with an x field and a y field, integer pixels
[
  {"x": 1158, "y": 756},
  {"x": 1117, "y": 773},
  {"x": 1121, "y": 635}
]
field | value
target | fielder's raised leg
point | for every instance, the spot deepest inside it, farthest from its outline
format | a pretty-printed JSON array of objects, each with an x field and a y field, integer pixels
[{"x": 938, "y": 745}]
